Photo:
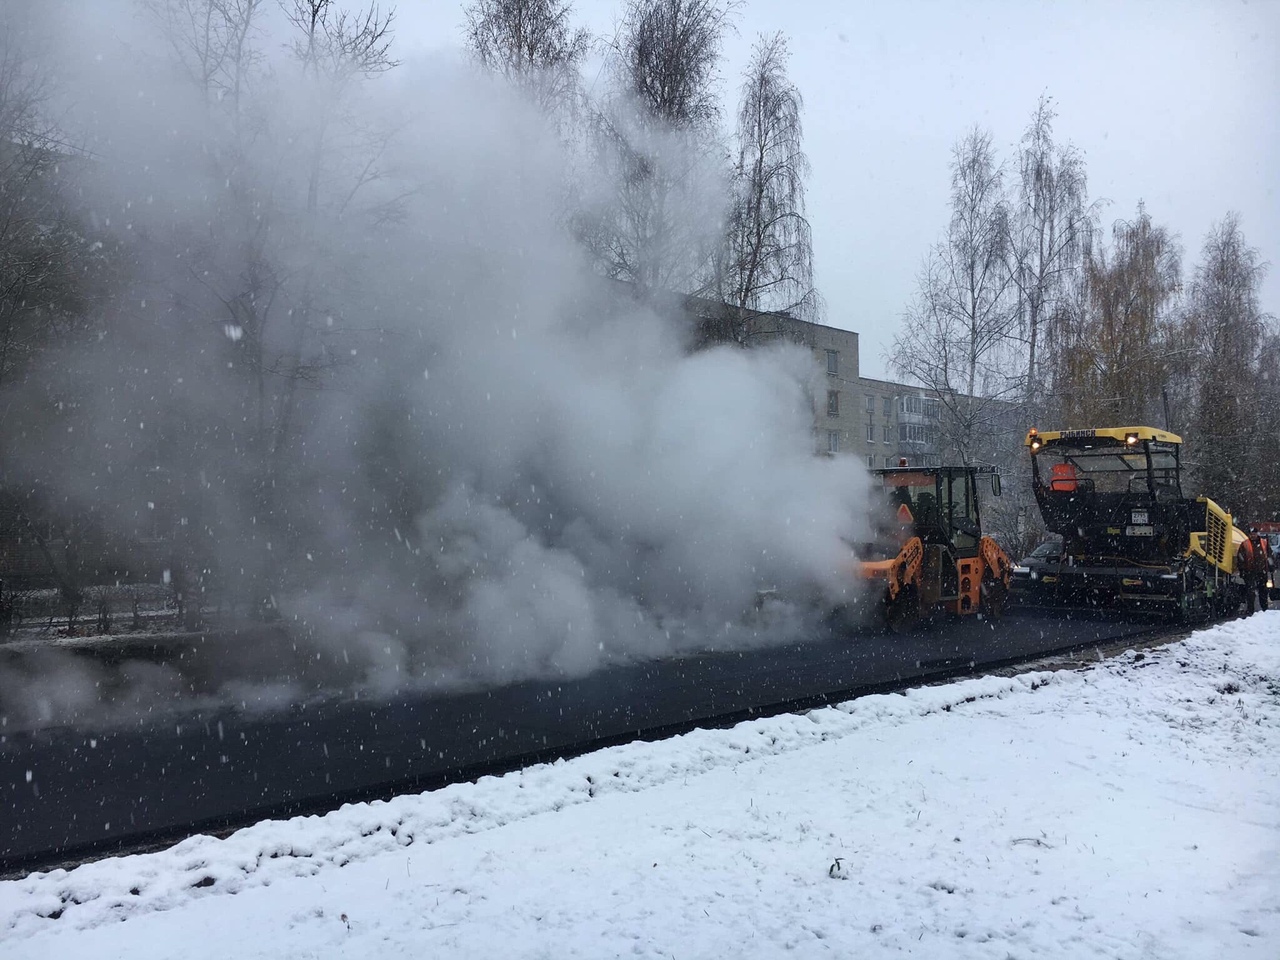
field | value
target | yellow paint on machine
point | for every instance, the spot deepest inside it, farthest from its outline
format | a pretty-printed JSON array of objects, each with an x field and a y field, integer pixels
[{"x": 1218, "y": 543}]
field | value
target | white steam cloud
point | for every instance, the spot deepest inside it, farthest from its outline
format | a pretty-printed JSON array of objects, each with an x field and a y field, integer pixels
[{"x": 509, "y": 467}]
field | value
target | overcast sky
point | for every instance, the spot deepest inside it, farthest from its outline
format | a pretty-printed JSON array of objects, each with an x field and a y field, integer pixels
[{"x": 1174, "y": 103}]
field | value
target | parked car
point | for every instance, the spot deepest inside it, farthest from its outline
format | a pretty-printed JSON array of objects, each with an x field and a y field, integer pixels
[{"x": 1039, "y": 568}]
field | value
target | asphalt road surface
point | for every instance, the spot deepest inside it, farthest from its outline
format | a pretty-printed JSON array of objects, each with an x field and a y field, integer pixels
[{"x": 67, "y": 793}]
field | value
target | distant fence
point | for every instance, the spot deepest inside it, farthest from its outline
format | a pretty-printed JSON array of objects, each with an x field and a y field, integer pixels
[
  {"x": 101, "y": 607},
  {"x": 113, "y": 589}
]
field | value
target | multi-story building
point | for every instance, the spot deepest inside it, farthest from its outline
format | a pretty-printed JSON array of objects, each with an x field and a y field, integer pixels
[
  {"x": 878, "y": 421},
  {"x": 899, "y": 421}
]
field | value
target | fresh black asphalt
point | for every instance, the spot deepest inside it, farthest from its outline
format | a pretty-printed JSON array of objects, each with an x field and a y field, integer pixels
[{"x": 70, "y": 792}]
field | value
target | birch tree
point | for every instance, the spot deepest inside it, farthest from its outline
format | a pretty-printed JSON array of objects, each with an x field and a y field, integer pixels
[
  {"x": 653, "y": 143},
  {"x": 533, "y": 45},
  {"x": 1052, "y": 222},
  {"x": 957, "y": 335},
  {"x": 769, "y": 245},
  {"x": 668, "y": 55}
]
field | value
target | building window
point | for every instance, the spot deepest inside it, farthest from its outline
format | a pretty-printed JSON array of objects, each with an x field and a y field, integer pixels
[
  {"x": 871, "y": 403},
  {"x": 888, "y": 461},
  {"x": 833, "y": 403},
  {"x": 871, "y": 462},
  {"x": 871, "y": 433},
  {"x": 833, "y": 441},
  {"x": 915, "y": 433},
  {"x": 888, "y": 406},
  {"x": 833, "y": 362},
  {"x": 885, "y": 434}
]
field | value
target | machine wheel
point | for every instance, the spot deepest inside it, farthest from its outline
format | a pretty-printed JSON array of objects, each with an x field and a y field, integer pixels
[
  {"x": 994, "y": 595},
  {"x": 1229, "y": 600},
  {"x": 902, "y": 612},
  {"x": 1194, "y": 603}
]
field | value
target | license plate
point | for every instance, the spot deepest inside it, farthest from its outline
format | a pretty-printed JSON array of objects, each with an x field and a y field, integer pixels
[
  {"x": 1139, "y": 516},
  {"x": 1139, "y": 531}
]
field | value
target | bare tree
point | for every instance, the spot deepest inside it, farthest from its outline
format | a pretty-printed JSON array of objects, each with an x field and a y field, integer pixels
[
  {"x": 262, "y": 276},
  {"x": 532, "y": 45},
  {"x": 1113, "y": 355},
  {"x": 45, "y": 259},
  {"x": 957, "y": 338},
  {"x": 1052, "y": 223},
  {"x": 52, "y": 266},
  {"x": 653, "y": 144},
  {"x": 668, "y": 54},
  {"x": 336, "y": 47},
  {"x": 197, "y": 32},
  {"x": 769, "y": 247},
  {"x": 247, "y": 258},
  {"x": 1232, "y": 427},
  {"x": 1267, "y": 441},
  {"x": 212, "y": 44},
  {"x": 340, "y": 45},
  {"x": 210, "y": 40}
]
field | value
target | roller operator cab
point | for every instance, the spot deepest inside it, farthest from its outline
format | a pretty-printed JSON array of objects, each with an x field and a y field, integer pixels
[
  {"x": 930, "y": 556},
  {"x": 1130, "y": 535}
]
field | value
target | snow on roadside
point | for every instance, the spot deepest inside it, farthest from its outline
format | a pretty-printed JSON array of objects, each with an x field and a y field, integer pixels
[{"x": 1131, "y": 809}]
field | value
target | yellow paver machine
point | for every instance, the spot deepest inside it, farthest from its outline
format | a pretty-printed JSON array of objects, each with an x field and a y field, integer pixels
[{"x": 1130, "y": 538}]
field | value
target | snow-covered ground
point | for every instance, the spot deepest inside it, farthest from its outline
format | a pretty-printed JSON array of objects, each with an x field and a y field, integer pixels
[{"x": 1128, "y": 810}]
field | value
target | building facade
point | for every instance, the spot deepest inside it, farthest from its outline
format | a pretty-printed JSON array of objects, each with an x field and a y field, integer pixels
[{"x": 877, "y": 421}]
